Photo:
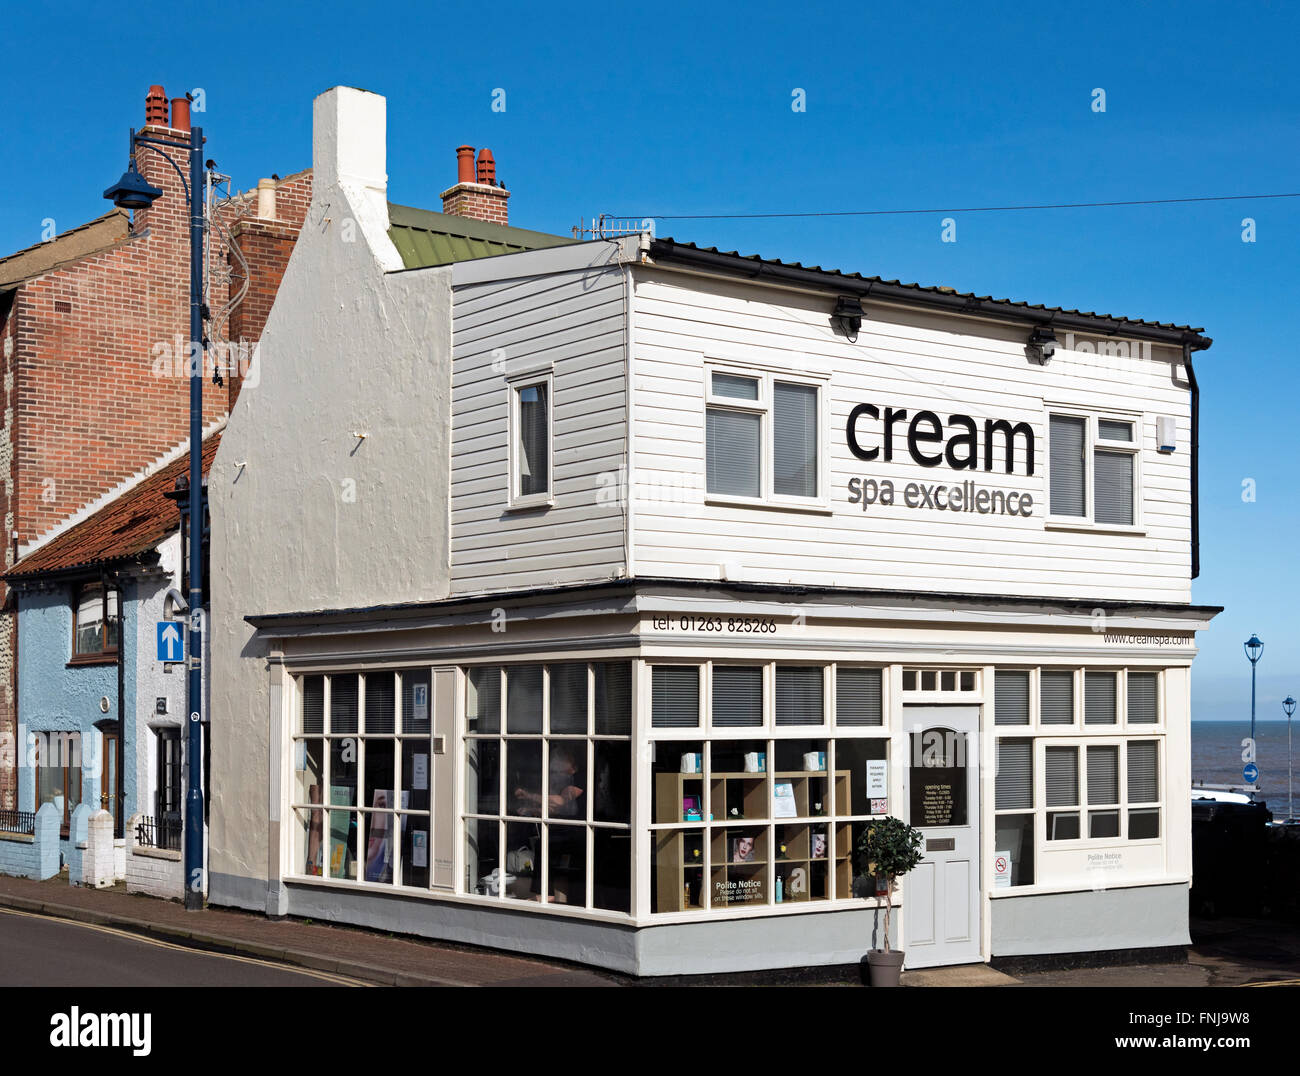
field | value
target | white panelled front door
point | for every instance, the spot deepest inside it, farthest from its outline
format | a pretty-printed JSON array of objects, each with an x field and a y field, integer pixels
[{"x": 941, "y": 896}]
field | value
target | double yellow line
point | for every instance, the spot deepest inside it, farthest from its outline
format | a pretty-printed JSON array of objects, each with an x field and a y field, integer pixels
[{"x": 329, "y": 977}]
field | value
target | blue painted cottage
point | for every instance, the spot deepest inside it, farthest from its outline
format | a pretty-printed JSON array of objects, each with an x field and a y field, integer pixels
[{"x": 99, "y": 717}]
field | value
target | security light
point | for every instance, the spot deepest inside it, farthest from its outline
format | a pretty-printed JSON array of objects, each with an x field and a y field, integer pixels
[
  {"x": 1042, "y": 344},
  {"x": 847, "y": 315}
]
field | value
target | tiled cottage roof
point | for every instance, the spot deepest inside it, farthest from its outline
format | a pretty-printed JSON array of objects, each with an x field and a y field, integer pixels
[
  {"x": 80, "y": 242},
  {"x": 126, "y": 527},
  {"x": 424, "y": 238}
]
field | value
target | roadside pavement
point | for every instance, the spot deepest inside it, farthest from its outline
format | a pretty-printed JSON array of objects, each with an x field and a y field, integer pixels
[
  {"x": 378, "y": 958},
  {"x": 1225, "y": 952}
]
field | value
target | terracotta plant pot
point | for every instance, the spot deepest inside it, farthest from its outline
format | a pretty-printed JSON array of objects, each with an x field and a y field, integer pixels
[{"x": 884, "y": 967}]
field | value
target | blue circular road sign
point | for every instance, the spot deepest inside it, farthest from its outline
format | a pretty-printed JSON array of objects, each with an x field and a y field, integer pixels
[{"x": 1250, "y": 773}]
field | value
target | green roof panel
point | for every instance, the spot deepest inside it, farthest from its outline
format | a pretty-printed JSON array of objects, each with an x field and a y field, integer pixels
[{"x": 424, "y": 238}]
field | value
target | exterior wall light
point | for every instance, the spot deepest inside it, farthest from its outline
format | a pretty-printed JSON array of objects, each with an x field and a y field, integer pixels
[
  {"x": 847, "y": 316},
  {"x": 1042, "y": 344}
]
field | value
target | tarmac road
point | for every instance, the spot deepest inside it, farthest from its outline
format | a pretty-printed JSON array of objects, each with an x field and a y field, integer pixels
[{"x": 37, "y": 950}]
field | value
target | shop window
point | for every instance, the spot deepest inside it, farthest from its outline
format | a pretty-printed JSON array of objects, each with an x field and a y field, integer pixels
[
  {"x": 1142, "y": 698},
  {"x": 737, "y": 696},
  {"x": 799, "y": 695},
  {"x": 1103, "y": 790},
  {"x": 1099, "y": 698},
  {"x": 1143, "y": 788},
  {"x": 675, "y": 696},
  {"x": 96, "y": 622},
  {"x": 1010, "y": 698},
  {"x": 1014, "y": 783},
  {"x": 548, "y": 802},
  {"x": 361, "y": 781},
  {"x": 1056, "y": 697},
  {"x": 738, "y": 410},
  {"x": 1013, "y": 839},
  {"x": 1062, "y": 775},
  {"x": 530, "y": 441},
  {"x": 858, "y": 697},
  {"x": 58, "y": 773},
  {"x": 760, "y": 822},
  {"x": 1111, "y": 445}
]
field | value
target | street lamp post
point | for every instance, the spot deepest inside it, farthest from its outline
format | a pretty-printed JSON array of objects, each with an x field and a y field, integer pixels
[
  {"x": 1288, "y": 707},
  {"x": 132, "y": 191},
  {"x": 1254, "y": 650}
]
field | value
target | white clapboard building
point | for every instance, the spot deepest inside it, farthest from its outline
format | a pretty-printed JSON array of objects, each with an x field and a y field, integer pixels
[{"x": 591, "y": 599}]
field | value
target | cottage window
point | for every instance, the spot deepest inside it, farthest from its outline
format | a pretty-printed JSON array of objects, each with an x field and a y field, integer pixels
[
  {"x": 95, "y": 622},
  {"x": 58, "y": 773},
  {"x": 1111, "y": 446},
  {"x": 530, "y": 441},
  {"x": 763, "y": 438}
]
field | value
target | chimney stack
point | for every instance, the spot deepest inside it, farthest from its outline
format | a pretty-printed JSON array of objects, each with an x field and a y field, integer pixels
[{"x": 477, "y": 193}]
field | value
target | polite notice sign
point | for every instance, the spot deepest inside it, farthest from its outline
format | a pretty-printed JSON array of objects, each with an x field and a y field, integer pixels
[{"x": 1001, "y": 870}]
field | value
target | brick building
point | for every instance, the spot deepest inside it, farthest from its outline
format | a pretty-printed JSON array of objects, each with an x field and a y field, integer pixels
[{"x": 93, "y": 341}]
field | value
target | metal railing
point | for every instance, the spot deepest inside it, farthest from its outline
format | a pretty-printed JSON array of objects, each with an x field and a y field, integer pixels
[
  {"x": 21, "y": 822},
  {"x": 163, "y": 833}
]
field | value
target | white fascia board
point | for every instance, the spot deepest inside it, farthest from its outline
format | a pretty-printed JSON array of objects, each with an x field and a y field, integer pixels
[
  {"x": 914, "y": 610},
  {"x": 571, "y": 258}
]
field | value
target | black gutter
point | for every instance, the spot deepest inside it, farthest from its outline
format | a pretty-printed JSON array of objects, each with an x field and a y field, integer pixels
[
  {"x": 1196, "y": 460},
  {"x": 665, "y": 250},
  {"x": 631, "y": 587}
]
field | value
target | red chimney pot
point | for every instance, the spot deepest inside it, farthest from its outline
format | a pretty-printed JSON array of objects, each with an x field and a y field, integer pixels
[
  {"x": 155, "y": 107},
  {"x": 464, "y": 164},
  {"x": 487, "y": 168},
  {"x": 181, "y": 113}
]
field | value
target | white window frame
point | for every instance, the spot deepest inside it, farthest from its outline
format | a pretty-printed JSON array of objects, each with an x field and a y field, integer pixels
[
  {"x": 1081, "y": 745},
  {"x": 764, "y": 407},
  {"x": 514, "y": 384},
  {"x": 1092, "y": 442}
]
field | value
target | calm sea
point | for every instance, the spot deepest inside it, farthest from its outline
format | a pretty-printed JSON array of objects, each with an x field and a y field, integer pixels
[{"x": 1216, "y": 756}]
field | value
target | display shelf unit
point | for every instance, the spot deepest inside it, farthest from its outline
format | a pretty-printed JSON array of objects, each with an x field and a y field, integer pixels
[{"x": 805, "y": 876}]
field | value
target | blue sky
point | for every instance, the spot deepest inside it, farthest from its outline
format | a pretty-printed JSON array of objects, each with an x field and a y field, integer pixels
[{"x": 679, "y": 111}]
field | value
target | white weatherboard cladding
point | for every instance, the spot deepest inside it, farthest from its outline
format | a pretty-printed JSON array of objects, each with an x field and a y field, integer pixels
[
  {"x": 571, "y": 324},
  {"x": 902, "y": 359}
]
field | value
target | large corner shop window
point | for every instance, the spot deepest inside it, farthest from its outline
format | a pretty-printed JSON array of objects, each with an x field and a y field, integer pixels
[
  {"x": 742, "y": 820},
  {"x": 361, "y": 776},
  {"x": 548, "y": 767}
]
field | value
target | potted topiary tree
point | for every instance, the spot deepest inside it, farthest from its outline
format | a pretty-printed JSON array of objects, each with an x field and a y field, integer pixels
[{"x": 888, "y": 849}]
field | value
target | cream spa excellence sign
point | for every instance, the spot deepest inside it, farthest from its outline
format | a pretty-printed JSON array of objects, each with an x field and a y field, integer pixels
[{"x": 876, "y": 435}]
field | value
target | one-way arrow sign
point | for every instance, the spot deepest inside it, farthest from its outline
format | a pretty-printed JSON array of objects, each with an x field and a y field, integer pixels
[{"x": 171, "y": 643}]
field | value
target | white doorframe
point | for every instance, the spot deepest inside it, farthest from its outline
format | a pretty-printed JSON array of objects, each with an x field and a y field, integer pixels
[{"x": 942, "y": 924}]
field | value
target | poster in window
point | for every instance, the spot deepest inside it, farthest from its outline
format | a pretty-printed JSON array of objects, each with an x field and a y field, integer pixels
[
  {"x": 742, "y": 849},
  {"x": 420, "y": 773},
  {"x": 783, "y": 805},
  {"x": 379, "y": 850},
  {"x": 420, "y": 848},
  {"x": 420, "y": 702}
]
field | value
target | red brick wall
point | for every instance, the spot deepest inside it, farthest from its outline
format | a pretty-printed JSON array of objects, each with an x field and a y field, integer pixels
[{"x": 94, "y": 374}]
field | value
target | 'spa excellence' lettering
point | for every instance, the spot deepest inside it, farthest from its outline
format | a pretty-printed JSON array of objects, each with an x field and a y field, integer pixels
[{"x": 962, "y": 447}]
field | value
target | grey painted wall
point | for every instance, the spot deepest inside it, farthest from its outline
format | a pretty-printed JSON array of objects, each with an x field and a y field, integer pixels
[
  {"x": 571, "y": 324},
  {"x": 1134, "y": 918}
]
